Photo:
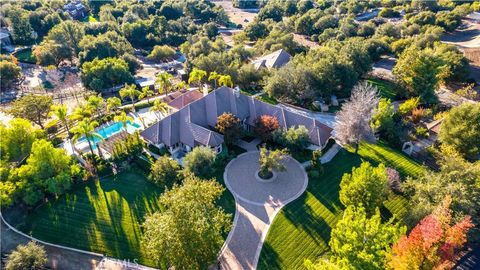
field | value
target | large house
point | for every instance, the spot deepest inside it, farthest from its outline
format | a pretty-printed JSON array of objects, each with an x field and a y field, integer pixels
[
  {"x": 76, "y": 9},
  {"x": 277, "y": 59},
  {"x": 193, "y": 125}
]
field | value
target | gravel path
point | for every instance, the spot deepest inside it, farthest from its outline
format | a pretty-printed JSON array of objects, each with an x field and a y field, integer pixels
[{"x": 257, "y": 203}]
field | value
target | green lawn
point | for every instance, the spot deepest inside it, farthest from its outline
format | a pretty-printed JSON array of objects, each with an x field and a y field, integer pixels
[
  {"x": 102, "y": 216},
  {"x": 302, "y": 229},
  {"x": 25, "y": 56},
  {"x": 387, "y": 89}
]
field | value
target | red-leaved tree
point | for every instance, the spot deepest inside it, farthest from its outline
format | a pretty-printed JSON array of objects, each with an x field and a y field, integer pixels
[
  {"x": 433, "y": 243},
  {"x": 265, "y": 125}
]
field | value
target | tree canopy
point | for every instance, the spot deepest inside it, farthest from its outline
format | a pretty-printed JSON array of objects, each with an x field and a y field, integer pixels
[
  {"x": 189, "y": 210},
  {"x": 461, "y": 130},
  {"x": 32, "y": 107},
  {"x": 366, "y": 186},
  {"x": 200, "y": 161}
]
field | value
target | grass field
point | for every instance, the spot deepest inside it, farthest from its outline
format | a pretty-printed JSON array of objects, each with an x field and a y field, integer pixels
[
  {"x": 102, "y": 216},
  {"x": 387, "y": 89},
  {"x": 302, "y": 229}
]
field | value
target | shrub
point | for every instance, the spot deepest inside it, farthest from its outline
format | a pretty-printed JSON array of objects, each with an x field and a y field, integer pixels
[
  {"x": 126, "y": 149},
  {"x": 265, "y": 125},
  {"x": 417, "y": 114},
  {"x": 410, "y": 104},
  {"x": 229, "y": 125},
  {"x": 295, "y": 139},
  {"x": 199, "y": 161},
  {"x": 421, "y": 131},
  {"x": 30, "y": 256},
  {"x": 394, "y": 180},
  {"x": 271, "y": 160},
  {"x": 165, "y": 171}
]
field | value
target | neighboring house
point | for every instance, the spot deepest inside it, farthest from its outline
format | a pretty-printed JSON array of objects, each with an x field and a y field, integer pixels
[
  {"x": 76, "y": 9},
  {"x": 276, "y": 59},
  {"x": 6, "y": 41},
  {"x": 193, "y": 125}
]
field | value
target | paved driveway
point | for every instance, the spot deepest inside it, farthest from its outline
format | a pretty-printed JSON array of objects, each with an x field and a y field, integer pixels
[{"x": 257, "y": 203}]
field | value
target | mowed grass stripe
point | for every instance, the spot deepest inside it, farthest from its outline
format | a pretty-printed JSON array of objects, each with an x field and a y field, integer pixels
[
  {"x": 101, "y": 216},
  {"x": 302, "y": 229}
]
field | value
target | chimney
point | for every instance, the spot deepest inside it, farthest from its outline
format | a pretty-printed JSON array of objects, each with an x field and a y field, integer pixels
[
  {"x": 205, "y": 90},
  {"x": 236, "y": 91}
]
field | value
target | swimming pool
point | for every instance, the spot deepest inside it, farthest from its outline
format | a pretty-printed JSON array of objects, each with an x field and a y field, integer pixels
[{"x": 109, "y": 131}]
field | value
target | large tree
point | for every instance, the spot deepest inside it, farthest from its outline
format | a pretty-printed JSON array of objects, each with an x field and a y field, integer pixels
[
  {"x": 67, "y": 35},
  {"x": 31, "y": 256},
  {"x": 21, "y": 27},
  {"x": 229, "y": 125},
  {"x": 161, "y": 53},
  {"x": 105, "y": 73},
  {"x": 32, "y": 107},
  {"x": 419, "y": 70},
  {"x": 359, "y": 242},
  {"x": 17, "y": 139},
  {"x": 461, "y": 130},
  {"x": 10, "y": 73},
  {"x": 188, "y": 233},
  {"x": 86, "y": 128},
  {"x": 200, "y": 161},
  {"x": 366, "y": 186},
  {"x": 353, "y": 120},
  {"x": 109, "y": 44},
  {"x": 48, "y": 170},
  {"x": 433, "y": 244},
  {"x": 457, "y": 178}
]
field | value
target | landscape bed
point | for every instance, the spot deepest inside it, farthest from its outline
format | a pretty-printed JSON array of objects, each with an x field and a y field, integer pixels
[{"x": 302, "y": 229}]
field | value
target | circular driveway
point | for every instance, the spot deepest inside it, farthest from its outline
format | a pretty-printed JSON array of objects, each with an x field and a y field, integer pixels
[{"x": 240, "y": 180}]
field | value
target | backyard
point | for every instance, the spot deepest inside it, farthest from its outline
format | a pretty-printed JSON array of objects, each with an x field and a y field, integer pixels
[
  {"x": 103, "y": 216},
  {"x": 302, "y": 229}
]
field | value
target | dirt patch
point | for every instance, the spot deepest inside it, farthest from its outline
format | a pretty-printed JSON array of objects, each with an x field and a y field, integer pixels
[{"x": 236, "y": 15}]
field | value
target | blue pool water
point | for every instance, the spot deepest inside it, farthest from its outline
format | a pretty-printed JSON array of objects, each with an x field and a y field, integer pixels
[{"x": 108, "y": 131}]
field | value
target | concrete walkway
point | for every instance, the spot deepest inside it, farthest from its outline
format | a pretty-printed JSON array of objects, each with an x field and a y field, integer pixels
[
  {"x": 257, "y": 203},
  {"x": 329, "y": 155},
  {"x": 249, "y": 146}
]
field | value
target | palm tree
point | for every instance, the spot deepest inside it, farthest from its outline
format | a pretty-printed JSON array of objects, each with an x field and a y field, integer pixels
[
  {"x": 146, "y": 92},
  {"x": 96, "y": 104},
  {"x": 61, "y": 113},
  {"x": 123, "y": 118},
  {"x": 86, "y": 128},
  {"x": 131, "y": 92},
  {"x": 214, "y": 76},
  {"x": 81, "y": 112},
  {"x": 113, "y": 103},
  {"x": 159, "y": 107},
  {"x": 225, "y": 80},
  {"x": 196, "y": 76},
  {"x": 163, "y": 80}
]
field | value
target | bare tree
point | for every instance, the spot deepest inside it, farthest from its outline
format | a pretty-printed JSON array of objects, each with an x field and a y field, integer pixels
[{"x": 353, "y": 120}]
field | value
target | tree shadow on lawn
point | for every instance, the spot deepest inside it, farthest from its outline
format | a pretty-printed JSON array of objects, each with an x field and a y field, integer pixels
[{"x": 269, "y": 258}]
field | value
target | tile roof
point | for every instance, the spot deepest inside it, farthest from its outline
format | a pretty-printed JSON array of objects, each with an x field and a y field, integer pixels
[
  {"x": 276, "y": 59},
  {"x": 193, "y": 124},
  {"x": 185, "y": 99}
]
